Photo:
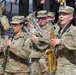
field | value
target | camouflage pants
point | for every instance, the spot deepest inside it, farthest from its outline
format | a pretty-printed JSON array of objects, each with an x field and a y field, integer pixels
[
  {"x": 66, "y": 69},
  {"x": 35, "y": 69},
  {"x": 1, "y": 69},
  {"x": 7, "y": 73},
  {"x": 39, "y": 68},
  {"x": 43, "y": 66},
  {"x": 1, "y": 66}
]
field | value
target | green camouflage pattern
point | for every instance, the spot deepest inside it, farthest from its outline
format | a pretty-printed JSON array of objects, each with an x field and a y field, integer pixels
[
  {"x": 2, "y": 19},
  {"x": 4, "y": 22},
  {"x": 18, "y": 55},
  {"x": 35, "y": 54},
  {"x": 50, "y": 23},
  {"x": 16, "y": 74},
  {"x": 43, "y": 67},
  {"x": 42, "y": 61},
  {"x": 46, "y": 40},
  {"x": 66, "y": 62},
  {"x": 35, "y": 69}
]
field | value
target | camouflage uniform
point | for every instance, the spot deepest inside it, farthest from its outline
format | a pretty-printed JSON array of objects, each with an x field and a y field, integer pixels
[
  {"x": 1, "y": 56},
  {"x": 18, "y": 53},
  {"x": 66, "y": 55},
  {"x": 42, "y": 42},
  {"x": 66, "y": 49},
  {"x": 4, "y": 25},
  {"x": 34, "y": 63},
  {"x": 45, "y": 29}
]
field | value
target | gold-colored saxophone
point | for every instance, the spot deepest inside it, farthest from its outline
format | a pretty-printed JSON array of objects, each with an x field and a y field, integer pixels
[{"x": 51, "y": 57}]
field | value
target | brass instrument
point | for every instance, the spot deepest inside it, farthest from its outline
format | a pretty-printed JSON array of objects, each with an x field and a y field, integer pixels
[
  {"x": 38, "y": 31},
  {"x": 51, "y": 57}
]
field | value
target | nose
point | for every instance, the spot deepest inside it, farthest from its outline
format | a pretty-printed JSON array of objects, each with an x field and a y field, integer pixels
[{"x": 60, "y": 16}]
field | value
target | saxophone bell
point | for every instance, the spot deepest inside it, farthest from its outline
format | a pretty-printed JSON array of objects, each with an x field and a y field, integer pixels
[{"x": 51, "y": 60}]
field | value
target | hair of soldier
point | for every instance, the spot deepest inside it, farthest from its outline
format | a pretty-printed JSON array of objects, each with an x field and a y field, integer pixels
[{"x": 23, "y": 24}]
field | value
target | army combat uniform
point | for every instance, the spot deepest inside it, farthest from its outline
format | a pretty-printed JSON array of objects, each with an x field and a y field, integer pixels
[
  {"x": 66, "y": 55},
  {"x": 41, "y": 45},
  {"x": 4, "y": 25},
  {"x": 42, "y": 49},
  {"x": 18, "y": 56},
  {"x": 66, "y": 49},
  {"x": 18, "y": 52}
]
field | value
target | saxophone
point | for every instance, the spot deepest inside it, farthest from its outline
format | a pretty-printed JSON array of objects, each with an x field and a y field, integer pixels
[{"x": 50, "y": 54}]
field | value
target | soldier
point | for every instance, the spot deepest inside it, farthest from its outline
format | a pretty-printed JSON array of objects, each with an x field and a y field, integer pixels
[
  {"x": 40, "y": 44},
  {"x": 18, "y": 51},
  {"x": 65, "y": 43},
  {"x": 50, "y": 18},
  {"x": 4, "y": 26}
]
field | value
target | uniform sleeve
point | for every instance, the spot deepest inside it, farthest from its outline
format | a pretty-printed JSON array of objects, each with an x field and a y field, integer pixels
[
  {"x": 24, "y": 51},
  {"x": 69, "y": 41},
  {"x": 44, "y": 40}
]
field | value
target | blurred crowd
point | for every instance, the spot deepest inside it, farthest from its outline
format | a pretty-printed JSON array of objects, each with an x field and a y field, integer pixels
[{"x": 49, "y": 5}]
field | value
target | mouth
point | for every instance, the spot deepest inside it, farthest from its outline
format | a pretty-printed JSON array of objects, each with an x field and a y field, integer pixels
[{"x": 60, "y": 20}]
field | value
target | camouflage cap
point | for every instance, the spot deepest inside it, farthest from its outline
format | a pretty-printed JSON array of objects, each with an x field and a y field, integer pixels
[
  {"x": 17, "y": 19},
  {"x": 42, "y": 13},
  {"x": 35, "y": 55},
  {"x": 51, "y": 14},
  {"x": 2, "y": 8},
  {"x": 4, "y": 23},
  {"x": 67, "y": 9}
]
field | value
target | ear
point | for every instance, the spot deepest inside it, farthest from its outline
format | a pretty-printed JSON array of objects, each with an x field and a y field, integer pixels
[
  {"x": 22, "y": 25},
  {"x": 71, "y": 17}
]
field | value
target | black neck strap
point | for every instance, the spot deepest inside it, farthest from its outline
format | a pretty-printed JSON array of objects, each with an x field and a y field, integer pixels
[{"x": 63, "y": 30}]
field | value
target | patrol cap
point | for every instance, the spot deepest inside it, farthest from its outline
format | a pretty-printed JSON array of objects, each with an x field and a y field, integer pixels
[
  {"x": 42, "y": 13},
  {"x": 67, "y": 9},
  {"x": 17, "y": 19},
  {"x": 51, "y": 14}
]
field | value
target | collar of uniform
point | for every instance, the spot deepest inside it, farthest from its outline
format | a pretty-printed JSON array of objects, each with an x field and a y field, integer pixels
[
  {"x": 20, "y": 36},
  {"x": 44, "y": 27}
]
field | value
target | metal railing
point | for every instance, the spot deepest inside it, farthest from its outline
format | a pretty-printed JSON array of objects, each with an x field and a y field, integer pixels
[{"x": 5, "y": 3}]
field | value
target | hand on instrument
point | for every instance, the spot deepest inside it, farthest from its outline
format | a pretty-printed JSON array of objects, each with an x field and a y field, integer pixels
[
  {"x": 34, "y": 38},
  {"x": 55, "y": 42},
  {"x": 7, "y": 43}
]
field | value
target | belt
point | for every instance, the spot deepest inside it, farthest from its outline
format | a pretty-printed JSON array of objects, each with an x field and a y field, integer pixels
[{"x": 13, "y": 56}]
